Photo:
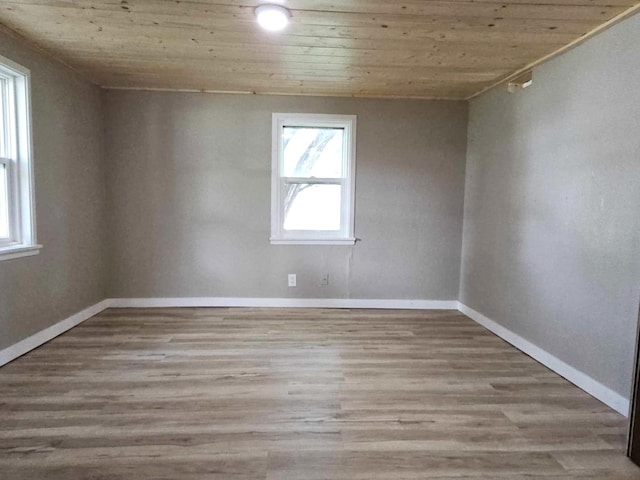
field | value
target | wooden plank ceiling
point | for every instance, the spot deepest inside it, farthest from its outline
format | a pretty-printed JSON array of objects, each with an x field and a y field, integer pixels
[{"x": 377, "y": 48}]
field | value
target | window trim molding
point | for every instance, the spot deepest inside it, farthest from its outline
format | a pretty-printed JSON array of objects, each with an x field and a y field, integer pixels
[
  {"x": 346, "y": 236},
  {"x": 24, "y": 239}
]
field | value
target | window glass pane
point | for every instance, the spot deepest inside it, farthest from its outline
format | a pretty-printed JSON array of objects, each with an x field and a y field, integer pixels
[
  {"x": 313, "y": 152},
  {"x": 312, "y": 207},
  {"x": 3, "y": 115},
  {"x": 4, "y": 204}
]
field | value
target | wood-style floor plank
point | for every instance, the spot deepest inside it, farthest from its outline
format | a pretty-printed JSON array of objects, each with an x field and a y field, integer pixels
[{"x": 298, "y": 394}]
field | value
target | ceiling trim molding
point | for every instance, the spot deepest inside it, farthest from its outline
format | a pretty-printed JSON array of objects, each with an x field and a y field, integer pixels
[
  {"x": 44, "y": 52},
  {"x": 285, "y": 94},
  {"x": 578, "y": 41}
]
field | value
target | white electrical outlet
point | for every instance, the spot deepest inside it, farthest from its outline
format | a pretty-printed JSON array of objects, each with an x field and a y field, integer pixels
[
  {"x": 324, "y": 279},
  {"x": 292, "y": 279}
]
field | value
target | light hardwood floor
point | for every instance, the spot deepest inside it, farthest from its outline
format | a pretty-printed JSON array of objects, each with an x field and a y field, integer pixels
[{"x": 298, "y": 394}]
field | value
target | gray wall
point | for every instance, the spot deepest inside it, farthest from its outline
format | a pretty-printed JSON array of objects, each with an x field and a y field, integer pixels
[
  {"x": 552, "y": 208},
  {"x": 69, "y": 274},
  {"x": 189, "y": 191}
]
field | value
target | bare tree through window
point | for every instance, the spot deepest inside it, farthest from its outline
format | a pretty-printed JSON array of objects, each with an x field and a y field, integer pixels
[{"x": 306, "y": 162}]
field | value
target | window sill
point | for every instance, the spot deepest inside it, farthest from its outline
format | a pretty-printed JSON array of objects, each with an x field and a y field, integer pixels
[
  {"x": 301, "y": 241},
  {"x": 17, "y": 251}
]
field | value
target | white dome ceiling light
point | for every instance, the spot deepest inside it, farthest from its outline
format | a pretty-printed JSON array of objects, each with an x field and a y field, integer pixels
[{"x": 272, "y": 17}]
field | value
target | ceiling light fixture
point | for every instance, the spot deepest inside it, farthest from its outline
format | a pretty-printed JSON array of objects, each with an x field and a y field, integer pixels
[{"x": 272, "y": 17}]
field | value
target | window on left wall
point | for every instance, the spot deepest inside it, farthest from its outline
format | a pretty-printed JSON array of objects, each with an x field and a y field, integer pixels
[{"x": 17, "y": 209}]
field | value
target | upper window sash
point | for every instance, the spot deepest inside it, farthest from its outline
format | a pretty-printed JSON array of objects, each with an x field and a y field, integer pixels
[
  {"x": 7, "y": 105},
  {"x": 306, "y": 124}
]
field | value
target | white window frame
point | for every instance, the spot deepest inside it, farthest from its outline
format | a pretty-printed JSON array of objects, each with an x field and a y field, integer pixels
[
  {"x": 344, "y": 236},
  {"x": 18, "y": 163}
]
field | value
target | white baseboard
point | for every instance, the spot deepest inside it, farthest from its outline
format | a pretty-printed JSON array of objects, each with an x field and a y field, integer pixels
[
  {"x": 282, "y": 302},
  {"x": 43, "y": 336},
  {"x": 575, "y": 376}
]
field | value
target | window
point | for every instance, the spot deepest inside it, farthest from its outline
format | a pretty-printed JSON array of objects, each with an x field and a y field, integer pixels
[
  {"x": 17, "y": 219},
  {"x": 313, "y": 175}
]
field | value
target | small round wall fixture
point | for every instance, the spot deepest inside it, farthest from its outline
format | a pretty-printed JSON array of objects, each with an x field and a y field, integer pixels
[{"x": 272, "y": 17}]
